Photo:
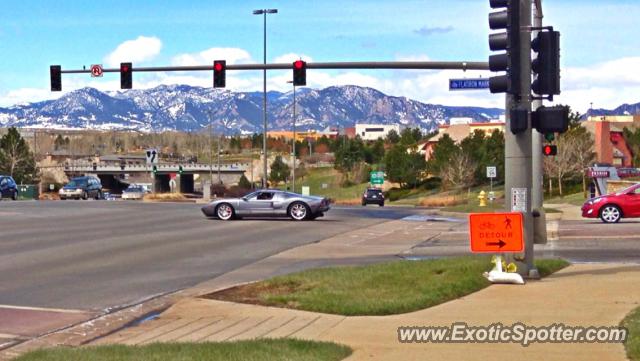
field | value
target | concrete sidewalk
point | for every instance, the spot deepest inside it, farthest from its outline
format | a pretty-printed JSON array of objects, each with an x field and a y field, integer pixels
[{"x": 581, "y": 295}]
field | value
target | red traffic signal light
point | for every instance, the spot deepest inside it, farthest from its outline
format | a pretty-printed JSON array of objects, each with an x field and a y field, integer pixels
[
  {"x": 126, "y": 76},
  {"x": 549, "y": 150},
  {"x": 219, "y": 73},
  {"x": 299, "y": 73}
]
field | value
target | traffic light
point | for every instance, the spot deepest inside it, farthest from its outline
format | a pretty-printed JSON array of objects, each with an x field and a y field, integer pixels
[
  {"x": 155, "y": 169},
  {"x": 549, "y": 137},
  {"x": 299, "y": 73},
  {"x": 56, "y": 77},
  {"x": 126, "y": 76},
  {"x": 551, "y": 119},
  {"x": 509, "y": 42},
  {"x": 546, "y": 66},
  {"x": 180, "y": 170},
  {"x": 549, "y": 150},
  {"x": 219, "y": 73}
]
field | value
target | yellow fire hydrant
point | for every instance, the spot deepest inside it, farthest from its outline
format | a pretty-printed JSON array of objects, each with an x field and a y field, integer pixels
[{"x": 482, "y": 197}]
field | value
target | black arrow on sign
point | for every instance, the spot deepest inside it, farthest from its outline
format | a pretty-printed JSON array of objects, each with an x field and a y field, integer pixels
[{"x": 500, "y": 243}]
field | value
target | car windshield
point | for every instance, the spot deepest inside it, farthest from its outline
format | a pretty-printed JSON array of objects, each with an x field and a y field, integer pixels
[
  {"x": 77, "y": 183},
  {"x": 628, "y": 189}
]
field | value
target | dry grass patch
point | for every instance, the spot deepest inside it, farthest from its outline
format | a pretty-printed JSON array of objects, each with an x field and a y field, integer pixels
[
  {"x": 164, "y": 197},
  {"x": 443, "y": 201}
]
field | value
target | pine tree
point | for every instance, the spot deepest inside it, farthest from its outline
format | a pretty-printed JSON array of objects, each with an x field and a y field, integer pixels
[{"x": 16, "y": 159}]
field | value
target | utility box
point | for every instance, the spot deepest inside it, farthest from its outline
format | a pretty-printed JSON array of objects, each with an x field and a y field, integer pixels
[{"x": 28, "y": 191}]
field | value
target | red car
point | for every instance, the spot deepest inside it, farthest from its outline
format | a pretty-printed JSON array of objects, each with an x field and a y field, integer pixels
[{"x": 611, "y": 207}]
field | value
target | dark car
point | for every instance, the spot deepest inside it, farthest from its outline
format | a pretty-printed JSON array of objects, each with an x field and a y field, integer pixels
[
  {"x": 373, "y": 195},
  {"x": 82, "y": 188},
  {"x": 8, "y": 188},
  {"x": 611, "y": 208}
]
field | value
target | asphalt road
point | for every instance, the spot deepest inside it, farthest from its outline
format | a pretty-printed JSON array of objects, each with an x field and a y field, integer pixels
[{"x": 96, "y": 255}]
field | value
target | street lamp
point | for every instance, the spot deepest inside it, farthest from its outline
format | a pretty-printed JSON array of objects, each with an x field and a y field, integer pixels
[
  {"x": 293, "y": 178},
  {"x": 264, "y": 13}
]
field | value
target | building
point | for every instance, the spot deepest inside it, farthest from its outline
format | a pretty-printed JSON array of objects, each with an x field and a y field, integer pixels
[
  {"x": 303, "y": 134},
  {"x": 375, "y": 131},
  {"x": 609, "y": 143},
  {"x": 458, "y": 131}
]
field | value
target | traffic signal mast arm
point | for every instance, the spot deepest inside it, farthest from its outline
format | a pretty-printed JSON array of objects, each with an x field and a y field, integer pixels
[{"x": 427, "y": 65}]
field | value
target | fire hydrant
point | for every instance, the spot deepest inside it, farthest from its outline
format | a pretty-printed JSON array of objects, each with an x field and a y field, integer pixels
[{"x": 482, "y": 198}]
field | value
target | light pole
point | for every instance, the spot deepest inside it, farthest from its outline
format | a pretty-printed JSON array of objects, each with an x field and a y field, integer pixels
[
  {"x": 293, "y": 177},
  {"x": 264, "y": 13},
  {"x": 210, "y": 148}
]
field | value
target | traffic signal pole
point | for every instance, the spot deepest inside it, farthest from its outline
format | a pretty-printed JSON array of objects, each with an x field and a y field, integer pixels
[
  {"x": 537, "y": 193},
  {"x": 518, "y": 149}
]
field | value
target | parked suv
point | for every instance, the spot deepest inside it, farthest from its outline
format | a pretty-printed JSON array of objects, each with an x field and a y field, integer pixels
[
  {"x": 8, "y": 188},
  {"x": 373, "y": 195},
  {"x": 82, "y": 187}
]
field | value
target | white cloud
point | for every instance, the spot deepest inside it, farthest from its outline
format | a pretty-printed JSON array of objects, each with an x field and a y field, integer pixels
[
  {"x": 138, "y": 50},
  {"x": 26, "y": 95},
  {"x": 607, "y": 84},
  {"x": 231, "y": 55}
]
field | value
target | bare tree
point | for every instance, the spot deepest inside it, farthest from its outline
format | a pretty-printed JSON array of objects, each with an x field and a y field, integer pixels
[{"x": 460, "y": 171}]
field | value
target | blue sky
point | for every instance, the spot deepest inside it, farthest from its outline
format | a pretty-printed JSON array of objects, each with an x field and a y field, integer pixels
[{"x": 600, "y": 42}]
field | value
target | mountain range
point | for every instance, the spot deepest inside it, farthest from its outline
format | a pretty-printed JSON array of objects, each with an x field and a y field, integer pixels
[{"x": 187, "y": 108}]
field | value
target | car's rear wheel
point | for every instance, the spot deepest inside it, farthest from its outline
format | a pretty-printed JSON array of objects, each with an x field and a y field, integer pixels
[
  {"x": 381, "y": 204},
  {"x": 15, "y": 195},
  {"x": 299, "y": 211},
  {"x": 610, "y": 214},
  {"x": 98, "y": 195},
  {"x": 224, "y": 211},
  {"x": 85, "y": 195}
]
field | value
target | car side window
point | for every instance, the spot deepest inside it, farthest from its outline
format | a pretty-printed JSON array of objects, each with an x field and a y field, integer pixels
[{"x": 265, "y": 196}]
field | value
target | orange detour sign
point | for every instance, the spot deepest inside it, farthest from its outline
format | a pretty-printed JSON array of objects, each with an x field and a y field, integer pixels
[{"x": 496, "y": 232}]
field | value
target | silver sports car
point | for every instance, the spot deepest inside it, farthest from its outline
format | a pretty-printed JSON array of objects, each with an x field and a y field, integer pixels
[{"x": 266, "y": 203}]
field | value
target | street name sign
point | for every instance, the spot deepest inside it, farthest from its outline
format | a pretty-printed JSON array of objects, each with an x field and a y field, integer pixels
[
  {"x": 469, "y": 84},
  {"x": 496, "y": 232}
]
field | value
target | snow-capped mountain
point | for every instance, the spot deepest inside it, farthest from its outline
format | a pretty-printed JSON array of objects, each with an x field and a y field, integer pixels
[
  {"x": 624, "y": 109},
  {"x": 187, "y": 108}
]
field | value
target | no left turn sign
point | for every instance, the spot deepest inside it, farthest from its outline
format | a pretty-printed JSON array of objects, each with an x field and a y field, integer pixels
[{"x": 96, "y": 70}]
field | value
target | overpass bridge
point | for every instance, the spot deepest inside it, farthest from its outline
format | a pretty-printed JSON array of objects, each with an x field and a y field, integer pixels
[{"x": 116, "y": 177}]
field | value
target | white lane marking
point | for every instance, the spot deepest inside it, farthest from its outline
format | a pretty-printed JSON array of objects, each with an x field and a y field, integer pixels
[
  {"x": 58, "y": 310},
  {"x": 8, "y": 335},
  {"x": 591, "y": 237}
]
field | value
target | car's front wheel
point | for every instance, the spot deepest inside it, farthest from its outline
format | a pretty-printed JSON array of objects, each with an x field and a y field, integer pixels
[
  {"x": 224, "y": 211},
  {"x": 610, "y": 214},
  {"x": 299, "y": 211}
]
